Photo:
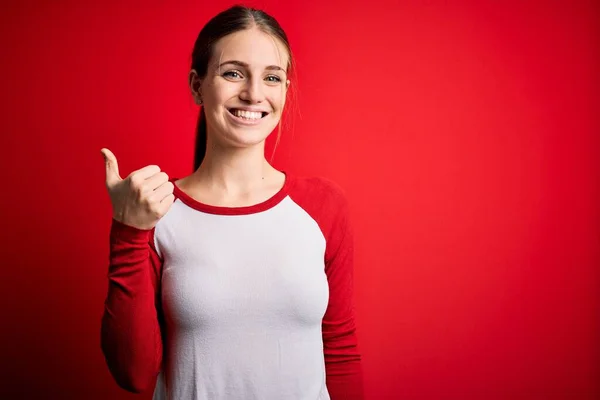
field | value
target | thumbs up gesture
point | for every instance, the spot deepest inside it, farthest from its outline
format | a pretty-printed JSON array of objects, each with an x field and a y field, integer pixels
[{"x": 141, "y": 199}]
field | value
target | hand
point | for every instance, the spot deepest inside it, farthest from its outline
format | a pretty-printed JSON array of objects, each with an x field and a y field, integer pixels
[{"x": 141, "y": 199}]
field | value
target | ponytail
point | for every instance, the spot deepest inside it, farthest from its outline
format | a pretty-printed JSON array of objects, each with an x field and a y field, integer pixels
[{"x": 200, "y": 140}]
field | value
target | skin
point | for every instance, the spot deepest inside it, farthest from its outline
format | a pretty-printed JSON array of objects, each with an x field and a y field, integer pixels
[{"x": 235, "y": 171}]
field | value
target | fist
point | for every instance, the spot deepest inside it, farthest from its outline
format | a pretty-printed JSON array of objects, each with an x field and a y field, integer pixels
[{"x": 141, "y": 199}]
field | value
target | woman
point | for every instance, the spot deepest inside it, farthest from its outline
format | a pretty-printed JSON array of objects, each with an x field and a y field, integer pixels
[{"x": 234, "y": 282}]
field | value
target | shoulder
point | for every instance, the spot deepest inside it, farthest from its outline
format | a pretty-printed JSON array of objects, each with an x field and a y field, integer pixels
[
  {"x": 326, "y": 203},
  {"x": 318, "y": 189}
]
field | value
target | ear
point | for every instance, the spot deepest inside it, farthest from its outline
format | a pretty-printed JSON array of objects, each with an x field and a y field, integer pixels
[{"x": 195, "y": 84}]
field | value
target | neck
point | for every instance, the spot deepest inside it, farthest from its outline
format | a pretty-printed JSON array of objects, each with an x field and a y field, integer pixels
[{"x": 234, "y": 170}]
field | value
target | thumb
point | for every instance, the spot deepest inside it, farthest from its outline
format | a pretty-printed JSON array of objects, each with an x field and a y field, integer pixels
[{"x": 112, "y": 167}]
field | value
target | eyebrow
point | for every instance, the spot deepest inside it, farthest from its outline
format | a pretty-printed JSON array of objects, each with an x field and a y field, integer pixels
[{"x": 245, "y": 65}]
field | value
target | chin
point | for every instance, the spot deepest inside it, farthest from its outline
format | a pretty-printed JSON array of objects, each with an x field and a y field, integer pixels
[{"x": 245, "y": 137}]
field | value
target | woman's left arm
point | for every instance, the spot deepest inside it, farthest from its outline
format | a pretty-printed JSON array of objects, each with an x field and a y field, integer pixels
[{"x": 342, "y": 356}]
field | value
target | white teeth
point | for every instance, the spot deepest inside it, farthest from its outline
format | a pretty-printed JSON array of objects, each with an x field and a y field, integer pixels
[{"x": 247, "y": 114}]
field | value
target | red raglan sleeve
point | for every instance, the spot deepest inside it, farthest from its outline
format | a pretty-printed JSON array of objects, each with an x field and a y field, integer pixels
[
  {"x": 342, "y": 356},
  {"x": 130, "y": 334}
]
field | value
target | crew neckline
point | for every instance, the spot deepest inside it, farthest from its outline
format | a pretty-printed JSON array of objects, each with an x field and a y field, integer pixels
[{"x": 243, "y": 210}]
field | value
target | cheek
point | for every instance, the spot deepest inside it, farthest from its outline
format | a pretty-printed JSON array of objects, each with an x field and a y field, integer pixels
[
  {"x": 277, "y": 98},
  {"x": 219, "y": 93}
]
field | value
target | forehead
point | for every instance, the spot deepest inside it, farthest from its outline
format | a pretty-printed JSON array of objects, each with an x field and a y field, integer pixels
[{"x": 251, "y": 46}]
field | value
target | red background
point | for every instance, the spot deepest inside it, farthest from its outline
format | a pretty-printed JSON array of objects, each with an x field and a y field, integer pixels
[{"x": 466, "y": 136}]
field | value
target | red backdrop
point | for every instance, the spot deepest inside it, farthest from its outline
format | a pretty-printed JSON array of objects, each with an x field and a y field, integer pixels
[{"x": 466, "y": 136}]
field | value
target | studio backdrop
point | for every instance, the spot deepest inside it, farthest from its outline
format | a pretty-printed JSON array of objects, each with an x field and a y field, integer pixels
[{"x": 464, "y": 133}]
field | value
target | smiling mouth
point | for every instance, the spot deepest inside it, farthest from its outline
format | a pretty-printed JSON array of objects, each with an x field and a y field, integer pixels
[{"x": 247, "y": 115}]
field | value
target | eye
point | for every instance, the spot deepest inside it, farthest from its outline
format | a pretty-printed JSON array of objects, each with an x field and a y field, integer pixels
[
  {"x": 273, "y": 79},
  {"x": 233, "y": 74}
]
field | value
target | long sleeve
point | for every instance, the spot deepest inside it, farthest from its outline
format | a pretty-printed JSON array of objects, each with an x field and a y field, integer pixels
[
  {"x": 342, "y": 356},
  {"x": 130, "y": 333}
]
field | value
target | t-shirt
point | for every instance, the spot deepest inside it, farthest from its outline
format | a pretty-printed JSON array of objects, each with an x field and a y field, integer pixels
[{"x": 237, "y": 303}]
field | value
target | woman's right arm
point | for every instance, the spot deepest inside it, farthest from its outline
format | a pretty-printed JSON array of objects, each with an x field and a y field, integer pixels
[{"x": 130, "y": 336}]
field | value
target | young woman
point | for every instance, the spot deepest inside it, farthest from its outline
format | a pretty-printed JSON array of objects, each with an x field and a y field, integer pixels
[{"x": 235, "y": 282}]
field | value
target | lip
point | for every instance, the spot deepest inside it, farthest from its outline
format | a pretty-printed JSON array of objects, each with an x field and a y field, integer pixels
[{"x": 245, "y": 122}]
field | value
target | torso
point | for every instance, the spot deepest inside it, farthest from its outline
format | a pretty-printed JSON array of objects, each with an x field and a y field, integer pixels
[{"x": 244, "y": 292}]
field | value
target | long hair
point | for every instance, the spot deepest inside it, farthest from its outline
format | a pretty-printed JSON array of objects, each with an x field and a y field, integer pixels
[{"x": 234, "y": 19}]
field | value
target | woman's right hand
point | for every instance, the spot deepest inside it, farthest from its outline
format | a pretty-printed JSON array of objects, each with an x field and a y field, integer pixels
[{"x": 141, "y": 199}]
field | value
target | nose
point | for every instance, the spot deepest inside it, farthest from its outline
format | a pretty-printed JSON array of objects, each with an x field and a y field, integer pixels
[{"x": 252, "y": 91}]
